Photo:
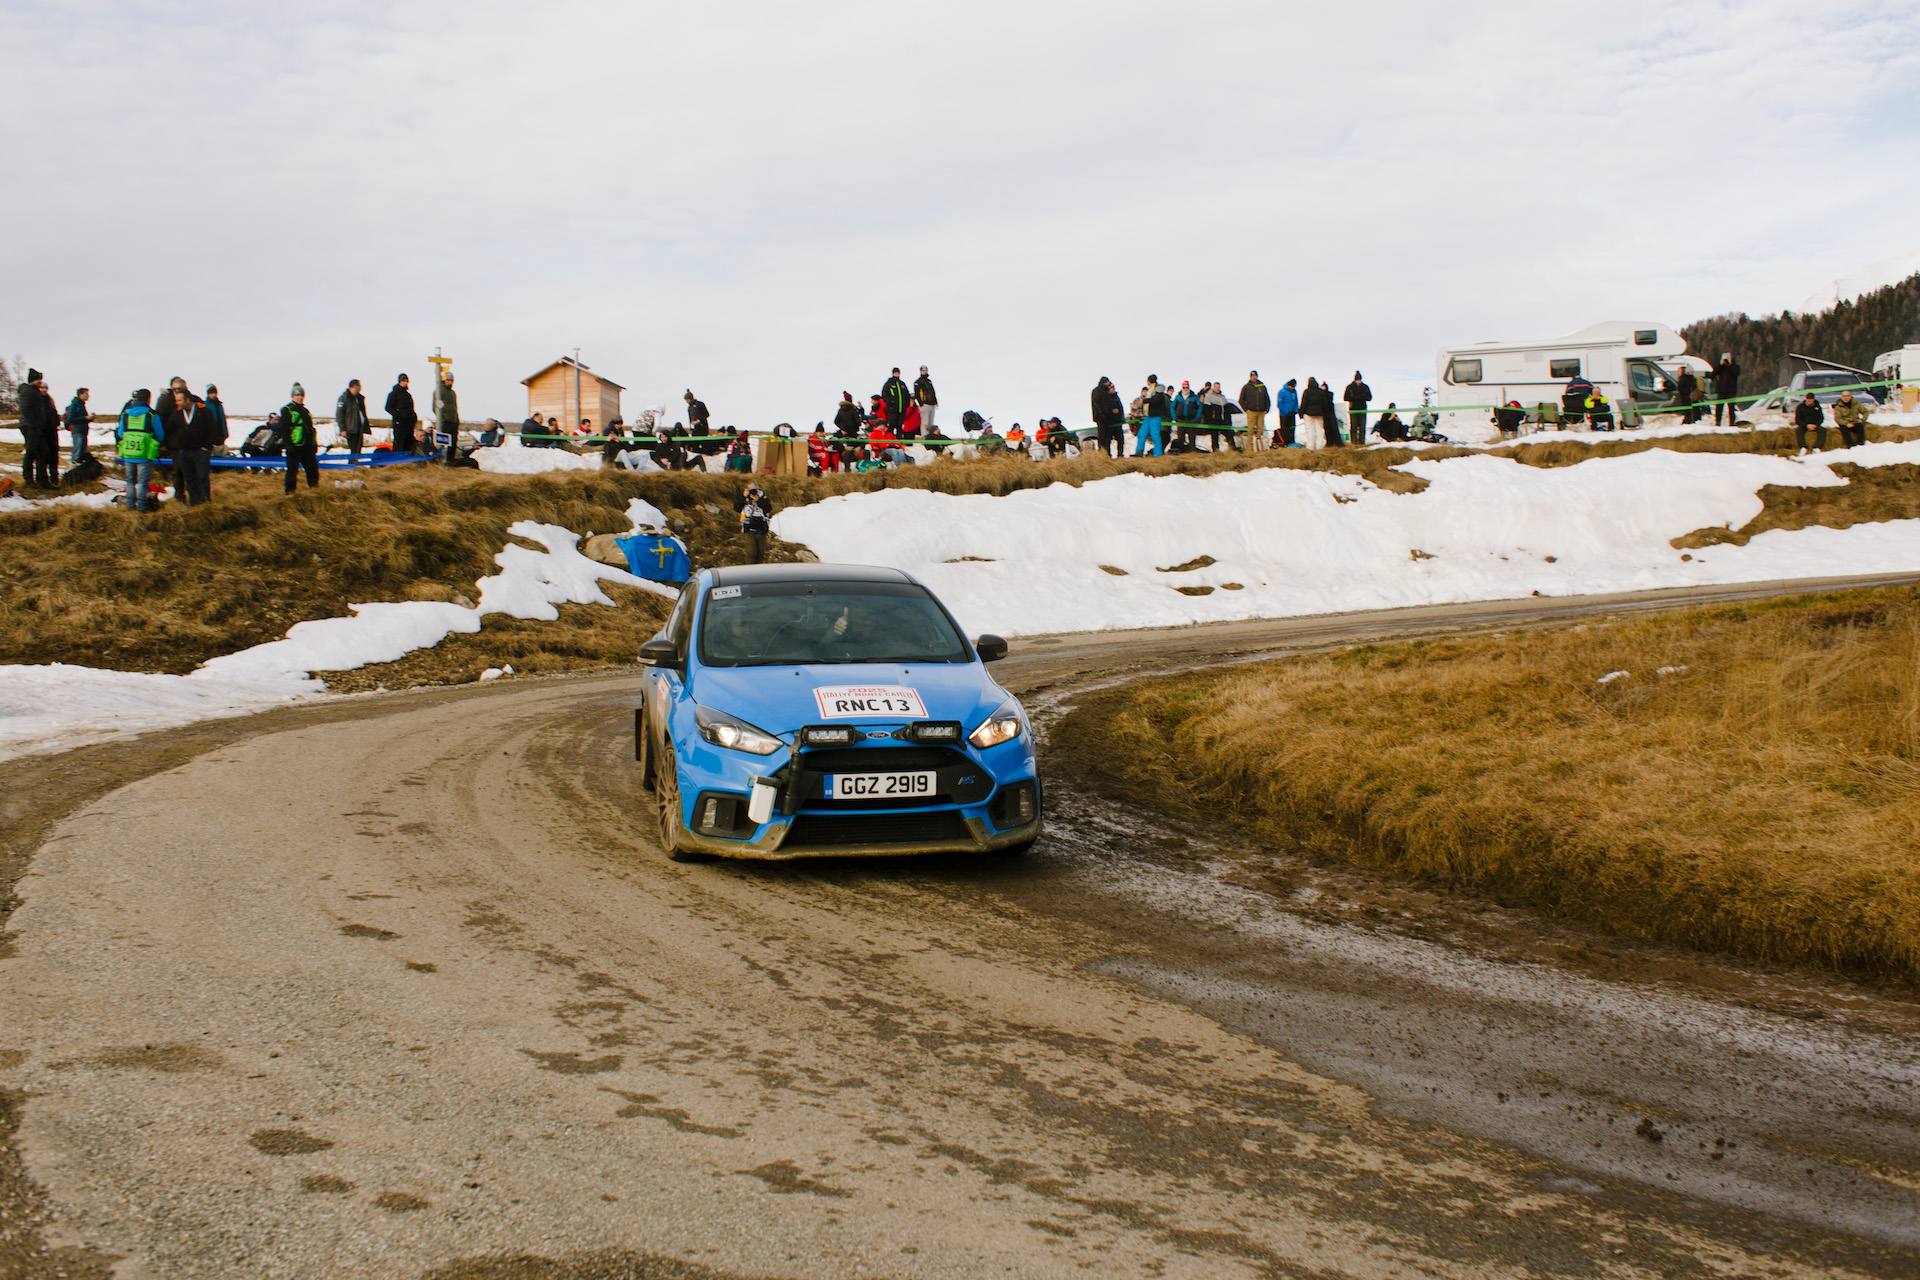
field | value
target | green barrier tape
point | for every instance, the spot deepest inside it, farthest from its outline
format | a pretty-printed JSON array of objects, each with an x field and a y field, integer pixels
[{"x": 1663, "y": 409}]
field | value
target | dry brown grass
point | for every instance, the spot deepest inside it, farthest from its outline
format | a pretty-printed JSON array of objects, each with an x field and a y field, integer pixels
[
  {"x": 166, "y": 592},
  {"x": 1764, "y": 801}
]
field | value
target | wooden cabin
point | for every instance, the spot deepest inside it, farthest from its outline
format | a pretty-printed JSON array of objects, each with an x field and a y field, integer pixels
[{"x": 570, "y": 392}]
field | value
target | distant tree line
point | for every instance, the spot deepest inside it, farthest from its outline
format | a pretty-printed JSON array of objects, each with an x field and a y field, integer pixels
[
  {"x": 10, "y": 376},
  {"x": 1852, "y": 333}
]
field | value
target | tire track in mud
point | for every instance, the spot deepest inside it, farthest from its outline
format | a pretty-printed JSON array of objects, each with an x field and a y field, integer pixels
[{"x": 547, "y": 1052}]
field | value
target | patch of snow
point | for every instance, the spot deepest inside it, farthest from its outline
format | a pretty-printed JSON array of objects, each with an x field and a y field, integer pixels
[
  {"x": 1670, "y": 671},
  {"x": 15, "y": 502},
  {"x": 55, "y": 707},
  {"x": 514, "y": 460},
  {"x": 1611, "y": 676},
  {"x": 1300, "y": 542}
]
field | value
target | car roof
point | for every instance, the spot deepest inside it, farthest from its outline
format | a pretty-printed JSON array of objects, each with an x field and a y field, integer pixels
[{"x": 738, "y": 574}]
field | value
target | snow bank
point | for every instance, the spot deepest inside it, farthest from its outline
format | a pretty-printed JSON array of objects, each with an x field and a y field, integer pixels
[
  {"x": 53, "y": 708},
  {"x": 49, "y": 708},
  {"x": 515, "y": 459},
  {"x": 1286, "y": 543}
]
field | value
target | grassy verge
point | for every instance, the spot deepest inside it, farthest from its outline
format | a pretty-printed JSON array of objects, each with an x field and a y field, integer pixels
[{"x": 1760, "y": 797}]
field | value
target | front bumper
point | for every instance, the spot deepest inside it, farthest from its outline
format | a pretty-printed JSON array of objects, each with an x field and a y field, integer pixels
[
  {"x": 965, "y": 817},
  {"x": 770, "y": 845}
]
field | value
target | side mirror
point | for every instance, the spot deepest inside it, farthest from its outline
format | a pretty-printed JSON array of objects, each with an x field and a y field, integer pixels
[
  {"x": 990, "y": 648},
  {"x": 660, "y": 653}
]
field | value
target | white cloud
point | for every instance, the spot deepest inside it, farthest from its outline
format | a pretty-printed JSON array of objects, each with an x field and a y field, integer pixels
[{"x": 772, "y": 202}]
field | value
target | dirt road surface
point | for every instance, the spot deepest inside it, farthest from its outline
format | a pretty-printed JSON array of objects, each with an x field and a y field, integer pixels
[{"x": 401, "y": 987}]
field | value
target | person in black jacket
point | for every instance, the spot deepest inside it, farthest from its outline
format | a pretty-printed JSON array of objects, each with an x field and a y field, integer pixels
[
  {"x": 697, "y": 416},
  {"x": 303, "y": 443},
  {"x": 1317, "y": 402},
  {"x": 846, "y": 417},
  {"x": 1256, "y": 401},
  {"x": 1726, "y": 385},
  {"x": 1685, "y": 392},
  {"x": 350, "y": 416},
  {"x": 924, "y": 396},
  {"x": 1808, "y": 413},
  {"x": 1507, "y": 419},
  {"x": 192, "y": 431},
  {"x": 894, "y": 398},
  {"x": 1358, "y": 396},
  {"x": 40, "y": 432},
  {"x": 218, "y": 408},
  {"x": 755, "y": 510},
  {"x": 1108, "y": 415},
  {"x": 405, "y": 418}
]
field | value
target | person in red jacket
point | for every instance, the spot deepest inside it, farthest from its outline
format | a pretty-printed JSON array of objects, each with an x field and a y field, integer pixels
[
  {"x": 884, "y": 443},
  {"x": 820, "y": 454},
  {"x": 910, "y": 423}
]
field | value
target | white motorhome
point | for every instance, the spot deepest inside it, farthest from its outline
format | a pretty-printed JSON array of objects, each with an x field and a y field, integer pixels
[
  {"x": 1901, "y": 368},
  {"x": 1627, "y": 360}
]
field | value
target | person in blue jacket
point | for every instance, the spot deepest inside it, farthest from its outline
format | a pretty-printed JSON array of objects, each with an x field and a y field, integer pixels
[
  {"x": 77, "y": 420},
  {"x": 1286, "y": 406},
  {"x": 140, "y": 435}
]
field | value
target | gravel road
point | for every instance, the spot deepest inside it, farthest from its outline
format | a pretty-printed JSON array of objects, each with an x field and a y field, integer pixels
[{"x": 400, "y": 987}]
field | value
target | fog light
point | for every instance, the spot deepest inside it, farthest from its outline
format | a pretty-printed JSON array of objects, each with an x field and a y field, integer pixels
[
  {"x": 830, "y": 735},
  {"x": 1023, "y": 804},
  {"x": 710, "y": 814},
  {"x": 935, "y": 731},
  {"x": 760, "y": 805}
]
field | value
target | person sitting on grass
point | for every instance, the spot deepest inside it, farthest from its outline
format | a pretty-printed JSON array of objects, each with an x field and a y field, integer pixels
[{"x": 1016, "y": 439}]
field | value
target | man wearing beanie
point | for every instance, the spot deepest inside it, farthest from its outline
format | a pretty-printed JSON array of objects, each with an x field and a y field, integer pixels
[
  {"x": 40, "y": 432},
  {"x": 446, "y": 417},
  {"x": 404, "y": 416},
  {"x": 303, "y": 444}
]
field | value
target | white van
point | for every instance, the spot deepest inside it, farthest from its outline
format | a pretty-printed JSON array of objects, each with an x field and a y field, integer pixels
[
  {"x": 1901, "y": 368},
  {"x": 1627, "y": 360}
]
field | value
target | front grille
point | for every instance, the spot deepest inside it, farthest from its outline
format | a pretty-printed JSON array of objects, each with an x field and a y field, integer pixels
[
  {"x": 878, "y": 828},
  {"x": 881, "y": 759}
]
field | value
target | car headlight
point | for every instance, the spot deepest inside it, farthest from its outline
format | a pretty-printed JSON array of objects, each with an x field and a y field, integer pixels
[
  {"x": 1002, "y": 726},
  {"x": 723, "y": 730}
]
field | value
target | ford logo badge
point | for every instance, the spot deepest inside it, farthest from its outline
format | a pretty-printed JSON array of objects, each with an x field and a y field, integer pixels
[{"x": 880, "y": 733}]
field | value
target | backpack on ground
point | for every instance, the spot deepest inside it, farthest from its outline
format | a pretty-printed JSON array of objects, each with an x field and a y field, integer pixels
[{"x": 85, "y": 471}]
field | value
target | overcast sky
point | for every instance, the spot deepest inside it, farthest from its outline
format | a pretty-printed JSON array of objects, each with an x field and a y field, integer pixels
[{"x": 773, "y": 202}]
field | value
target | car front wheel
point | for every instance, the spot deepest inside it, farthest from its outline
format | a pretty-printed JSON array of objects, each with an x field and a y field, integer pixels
[{"x": 672, "y": 834}]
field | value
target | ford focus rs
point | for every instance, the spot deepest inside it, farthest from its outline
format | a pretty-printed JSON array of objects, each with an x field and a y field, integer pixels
[{"x": 807, "y": 709}]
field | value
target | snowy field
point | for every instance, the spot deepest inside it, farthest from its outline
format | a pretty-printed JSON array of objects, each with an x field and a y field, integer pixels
[
  {"x": 52, "y": 708},
  {"x": 1283, "y": 543},
  {"x": 1286, "y": 543}
]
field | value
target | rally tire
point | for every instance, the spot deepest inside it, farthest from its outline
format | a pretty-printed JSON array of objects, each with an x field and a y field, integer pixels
[
  {"x": 671, "y": 833},
  {"x": 644, "y": 749}
]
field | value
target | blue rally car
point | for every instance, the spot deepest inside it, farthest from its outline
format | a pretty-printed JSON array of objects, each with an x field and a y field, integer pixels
[{"x": 803, "y": 709}]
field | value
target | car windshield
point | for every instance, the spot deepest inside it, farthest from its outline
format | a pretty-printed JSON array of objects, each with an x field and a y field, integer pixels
[
  {"x": 1832, "y": 380},
  {"x": 760, "y": 624}
]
